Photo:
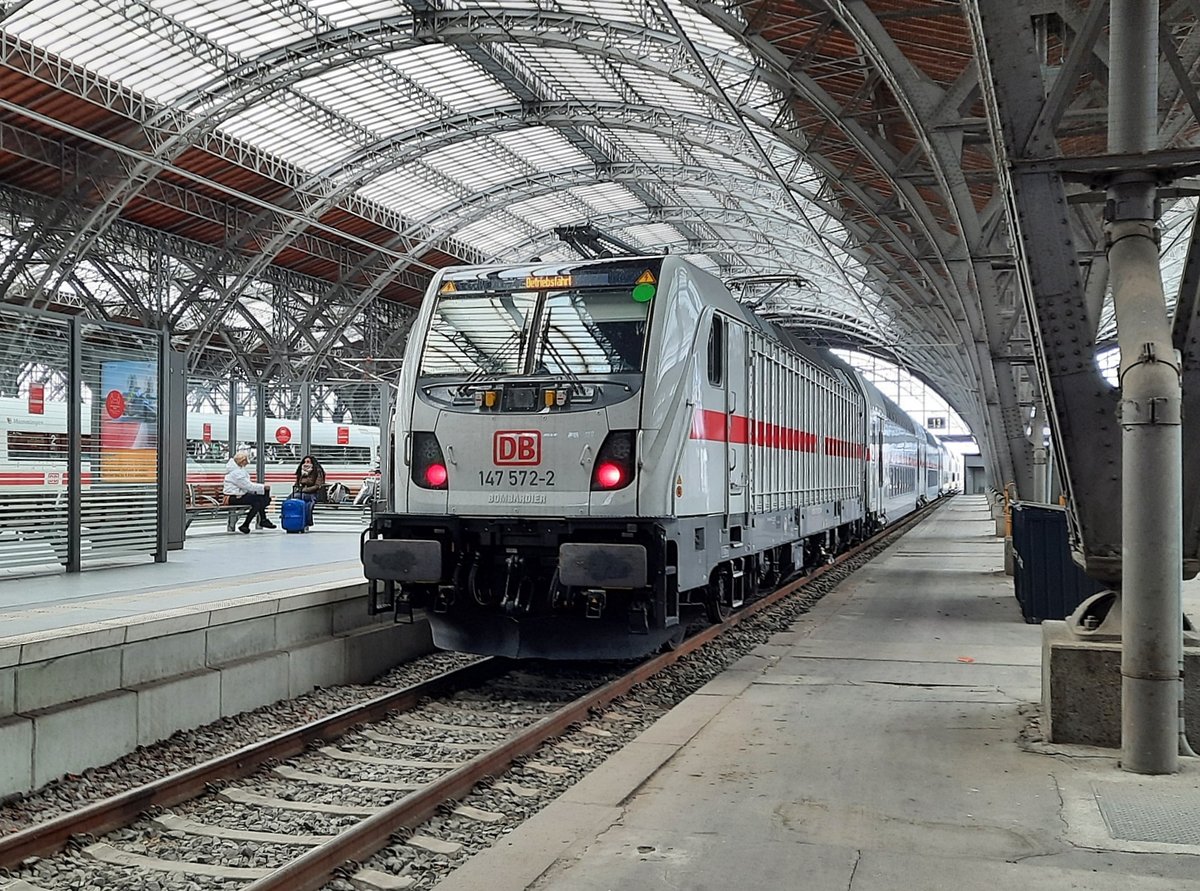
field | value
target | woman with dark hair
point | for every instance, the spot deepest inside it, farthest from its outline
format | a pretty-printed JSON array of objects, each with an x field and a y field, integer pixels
[{"x": 310, "y": 483}]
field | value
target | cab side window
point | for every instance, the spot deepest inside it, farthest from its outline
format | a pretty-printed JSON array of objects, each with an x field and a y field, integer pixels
[{"x": 716, "y": 352}]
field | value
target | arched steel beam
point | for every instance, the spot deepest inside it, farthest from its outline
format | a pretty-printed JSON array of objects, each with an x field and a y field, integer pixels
[
  {"x": 882, "y": 63},
  {"x": 197, "y": 114},
  {"x": 505, "y": 35},
  {"x": 373, "y": 161}
]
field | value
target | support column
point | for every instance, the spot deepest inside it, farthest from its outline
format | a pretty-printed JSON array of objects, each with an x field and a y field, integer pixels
[
  {"x": 1037, "y": 437},
  {"x": 1151, "y": 399}
]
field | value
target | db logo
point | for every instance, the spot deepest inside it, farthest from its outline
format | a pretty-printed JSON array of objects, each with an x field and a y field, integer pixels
[{"x": 517, "y": 447}]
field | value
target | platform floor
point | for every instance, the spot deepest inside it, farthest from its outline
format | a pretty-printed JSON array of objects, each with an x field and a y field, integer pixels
[
  {"x": 211, "y": 568},
  {"x": 876, "y": 745}
]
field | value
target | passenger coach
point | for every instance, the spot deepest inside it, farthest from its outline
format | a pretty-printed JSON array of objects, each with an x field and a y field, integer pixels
[{"x": 583, "y": 450}]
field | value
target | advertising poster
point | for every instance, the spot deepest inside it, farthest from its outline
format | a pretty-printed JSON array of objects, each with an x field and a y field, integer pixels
[{"x": 129, "y": 421}]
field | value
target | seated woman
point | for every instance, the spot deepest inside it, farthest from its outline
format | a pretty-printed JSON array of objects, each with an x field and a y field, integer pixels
[
  {"x": 310, "y": 483},
  {"x": 240, "y": 489}
]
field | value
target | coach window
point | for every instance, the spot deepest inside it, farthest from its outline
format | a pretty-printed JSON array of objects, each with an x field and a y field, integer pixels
[{"x": 716, "y": 352}]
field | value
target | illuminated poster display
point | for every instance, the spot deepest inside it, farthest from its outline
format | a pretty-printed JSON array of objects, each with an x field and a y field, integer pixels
[{"x": 129, "y": 422}]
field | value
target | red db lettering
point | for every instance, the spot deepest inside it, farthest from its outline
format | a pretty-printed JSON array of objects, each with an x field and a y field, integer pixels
[{"x": 522, "y": 447}]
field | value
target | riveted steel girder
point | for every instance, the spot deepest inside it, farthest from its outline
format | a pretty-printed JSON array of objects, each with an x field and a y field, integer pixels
[{"x": 1082, "y": 405}]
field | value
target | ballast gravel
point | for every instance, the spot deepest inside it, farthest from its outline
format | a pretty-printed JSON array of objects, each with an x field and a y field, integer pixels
[{"x": 507, "y": 801}]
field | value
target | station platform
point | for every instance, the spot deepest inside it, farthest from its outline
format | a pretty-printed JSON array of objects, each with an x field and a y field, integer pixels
[
  {"x": 210, "y": 568},
  {"x": 888, "y": 740}
]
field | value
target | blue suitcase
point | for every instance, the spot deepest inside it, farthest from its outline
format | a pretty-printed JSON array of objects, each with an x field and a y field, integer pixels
[{"x": 293, "y": 515}]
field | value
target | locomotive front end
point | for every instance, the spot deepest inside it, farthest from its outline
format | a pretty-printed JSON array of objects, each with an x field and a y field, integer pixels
[{"x": 517, "y": 524}]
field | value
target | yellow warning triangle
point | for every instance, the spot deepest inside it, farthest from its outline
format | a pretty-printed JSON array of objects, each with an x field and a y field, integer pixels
[
  {"x": 646, "y": 278},
  {"x": 448, "y": 287}
]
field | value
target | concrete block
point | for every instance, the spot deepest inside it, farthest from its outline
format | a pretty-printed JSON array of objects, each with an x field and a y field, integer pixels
[
  {"x": 10, "y": 654},
  {"x": 163, "y": 657},
  {"x": 16, "y": 756},
  {"x": 45, "y": 684},
  {"x": 320, "y": 664},
  {"x": 167, "y": 622},
  {"x": 8, "y": 691},
  {"x": 1081, "y": 689},
  {"x": 77, "y": 639},
  {"x": 350, "y": 615},
  {"x": 324, "y": 594},
  {"x": 302, "y": 625},
  {"x": 241, "y": 609},
  {"x": 74, "y": 737},
  {"x": 180, "y": 703},
  {"x": 372, "y": 651},
  {"x": 247, "y": 684},
  {"x": 240, "y": 640}
]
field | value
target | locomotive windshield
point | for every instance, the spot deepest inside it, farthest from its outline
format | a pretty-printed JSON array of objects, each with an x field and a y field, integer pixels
[{"x": 572, "y": 332}]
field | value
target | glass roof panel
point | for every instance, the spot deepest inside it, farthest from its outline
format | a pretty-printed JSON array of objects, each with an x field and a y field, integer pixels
[
  {"x": 704, "y": 32},
  {"x": 101, "y": 39},
  {"x": 164, "y": 48},
  {"x": 495, "y": 233},
  {"x": 477, "y": 164},
  {"x": 543, "y": 149},
  {"x": 569, "y": 73},
  {"x": 244, "y": 28},
  {"x": 348, "y": 12},
  {"x": 656, "y": 90},
  {"x": 704, "y": 261},
  {"x": 546, "y": 211},
  {"x": 371, "y": 94},
  {"x": 287, "y": 132},
  {"x": 608, "y": 10},
  {"x": 646, "y": 146},
  {"x": 608, "y": 198},
  {"x": 449, "y": 76},
  {"x": 418, "y": 190},
  {"x": 655, "y": 237}
]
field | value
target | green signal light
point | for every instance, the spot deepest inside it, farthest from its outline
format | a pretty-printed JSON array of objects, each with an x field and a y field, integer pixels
[{"x": 644, "y": 292}]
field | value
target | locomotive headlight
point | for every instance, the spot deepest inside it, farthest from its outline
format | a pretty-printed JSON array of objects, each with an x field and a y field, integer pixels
[{"x": 489, "y": 399}]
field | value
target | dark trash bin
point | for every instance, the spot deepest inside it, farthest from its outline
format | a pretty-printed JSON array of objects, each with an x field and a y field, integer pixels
[{"x": 1048, "y": 583}]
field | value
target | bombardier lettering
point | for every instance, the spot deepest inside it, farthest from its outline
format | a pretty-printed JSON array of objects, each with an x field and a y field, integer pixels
[{"x": 516, "y": 498}]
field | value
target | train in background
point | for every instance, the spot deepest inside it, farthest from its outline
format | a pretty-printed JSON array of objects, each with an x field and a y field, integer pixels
[
  {"x": 33, "y": 449},
  {"x": 587, "y": 451}
]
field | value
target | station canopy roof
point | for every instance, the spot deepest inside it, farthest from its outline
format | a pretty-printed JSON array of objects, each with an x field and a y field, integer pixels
[
  {"x": 487, "y": 125},
  {"x": 832, "y": 162}
]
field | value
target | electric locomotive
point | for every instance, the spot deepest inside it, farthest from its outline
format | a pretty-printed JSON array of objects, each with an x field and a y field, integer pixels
[{"x": 584, "y": 451}]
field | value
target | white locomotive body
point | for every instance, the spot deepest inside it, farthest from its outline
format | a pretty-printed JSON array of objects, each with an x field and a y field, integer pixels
[{"x": 584, "y": 450}]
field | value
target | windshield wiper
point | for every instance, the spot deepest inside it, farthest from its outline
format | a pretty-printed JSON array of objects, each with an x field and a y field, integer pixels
[
  {"x": 497, "y": 359},
  {"x": 575, "y": 380}
]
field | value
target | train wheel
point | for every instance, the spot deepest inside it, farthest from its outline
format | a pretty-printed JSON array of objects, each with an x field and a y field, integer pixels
[{"x": 716, "y": 598}]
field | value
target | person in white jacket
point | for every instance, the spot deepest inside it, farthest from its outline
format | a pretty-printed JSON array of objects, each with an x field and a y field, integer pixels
[{"x": 243, "y": 490}]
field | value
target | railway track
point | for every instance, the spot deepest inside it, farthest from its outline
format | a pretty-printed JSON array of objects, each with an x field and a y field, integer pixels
[{"x": 293, "y": 811}]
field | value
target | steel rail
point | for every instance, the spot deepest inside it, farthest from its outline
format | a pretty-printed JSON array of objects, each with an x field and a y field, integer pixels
[
  {"x": 316, "y": 868},
  {"x": 51, "y": 836}
]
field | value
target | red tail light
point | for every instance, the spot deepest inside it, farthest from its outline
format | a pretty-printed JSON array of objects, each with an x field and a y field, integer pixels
[
  {"x": 614, "y": 466},
  {"x": 609, "y": 475},
  {"x": 428, "y": 464}
]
